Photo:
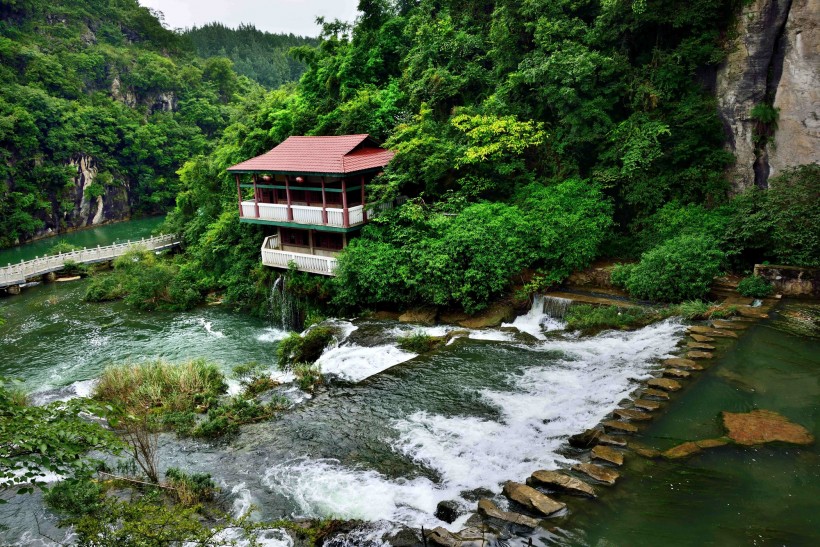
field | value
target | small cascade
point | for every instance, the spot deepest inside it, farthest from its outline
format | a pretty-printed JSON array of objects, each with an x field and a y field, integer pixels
[
  {"x": 284, "y": 311},
  {"x": 552, "y": 306},
  {"x": 546, "y": 314}
]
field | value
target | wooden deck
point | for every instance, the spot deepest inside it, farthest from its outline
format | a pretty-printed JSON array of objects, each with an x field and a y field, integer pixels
[
  {"x": 18, "y": 274},
  {"x": 275, "y": 257}
]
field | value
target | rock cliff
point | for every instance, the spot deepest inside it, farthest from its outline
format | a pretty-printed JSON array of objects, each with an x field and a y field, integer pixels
[{"x": 772, "y": 59}]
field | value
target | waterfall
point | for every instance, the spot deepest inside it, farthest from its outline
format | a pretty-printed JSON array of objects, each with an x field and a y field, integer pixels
[
  {"x": 284, "y": 310},
  {"x": 552, "y": 306}
]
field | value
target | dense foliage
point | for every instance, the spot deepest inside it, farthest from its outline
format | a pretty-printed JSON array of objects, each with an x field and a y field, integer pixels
[
  {"x": 755, "y": 286},
  {"x": 261, "y": 56}
]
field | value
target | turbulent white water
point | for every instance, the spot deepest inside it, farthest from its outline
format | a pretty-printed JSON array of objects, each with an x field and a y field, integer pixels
[
  {"x": 538, "y": 319},
  {"x": 355, "y": 363},
  {"x": 545, "y": 404},
  {"x": 209, "y": 329}
]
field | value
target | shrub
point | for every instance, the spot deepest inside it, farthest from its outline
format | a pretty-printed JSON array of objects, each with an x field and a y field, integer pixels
[
  {"x": 305, "y": 348},
  {"x": 103, "y": 288},
  {"x": 307, "y": 376},
  {"x": 755, "y": 287},
  {"x": 418, "y": 342},
  {"x": 253, "y": 378},
  {"x": 74, "y": 268},
  {"x": 681, "y": 268},
  {"x": 588, "y": 317},
  {"x": 793, "y": 204},
  {"x": 62, "y": 247},
  {"x": 191, "y": 488},
  {"x": 74, "y": 497},
  {"x": 225, "y": 419}
]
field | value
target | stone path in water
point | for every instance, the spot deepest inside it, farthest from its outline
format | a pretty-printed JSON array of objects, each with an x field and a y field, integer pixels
[{"x": 609, "y": 443}]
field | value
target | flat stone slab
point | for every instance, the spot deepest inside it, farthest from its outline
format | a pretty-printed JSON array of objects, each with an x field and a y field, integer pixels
[
  {"x": 764, "y": 426},
  {"x": 611, "y": 441},
  {"x": 620, "y": 427},
  {"x": 632, "y": 414},
  {"x": 587, "y": 439},
  {"x": 733, "y": 325},
  {"x": 647, "y": 405},
  {"x": 700, "y": 345},
  {"x": 692, "y": 447},
  {"x": 489, "y": 509},
  {"x": 555, "y": 480},
  {"x": 698, "y": 329},
  {"x": 679, "y": 362},
  {"x": 676, "y": 373},
  {"x": 644, "y": 451},
  {"x": 601, "y": 474},
  {"x": 608, "y": 454},
  {"x": 64, "y": 279},
  {"x": 665, "y": 384},
  {"x": 532, "y": 499},
  {"x": 699, "y": 355},
  {"x": 753, "y": 313},
  {"x": 701, "y": 338},
  {"x": 656, "y": 393}
]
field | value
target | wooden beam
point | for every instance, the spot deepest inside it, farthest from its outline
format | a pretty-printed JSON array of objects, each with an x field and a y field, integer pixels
[
  {"x": 255, "y": 196},
  {"x": 310, "y": 240},
  {"x": 290, "y": 202},
  {"x": 345, "y": 211},
  {"x": 324, "y": 202}
]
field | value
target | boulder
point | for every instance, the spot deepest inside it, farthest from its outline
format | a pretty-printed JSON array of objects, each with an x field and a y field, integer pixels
[
  {"x": 561, "y": 482},
  {"x": 587, "y": 439},
  {"x": 448, "y": 511},
  {"x": 443, "y": 537},
  {"x": 532, "y": 499},
  {"x": 490, "y": 510},
  {"x": 425, "y": 316},
  {"x": 601, "y": 474},
  {"x": 608, "y": 454},
  {"x": 665, "y": 384},
  {"x": 493, "y": 316},
  {"x": 764, "y": 426}
]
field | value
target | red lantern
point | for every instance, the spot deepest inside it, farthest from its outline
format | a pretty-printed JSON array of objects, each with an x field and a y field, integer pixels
[
  {"x": 266, "y": 178},
  {"x": 300, "y": 180}
]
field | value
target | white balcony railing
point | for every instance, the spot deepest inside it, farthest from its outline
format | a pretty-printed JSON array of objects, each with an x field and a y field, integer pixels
[
  {"x": 274, "y": 257},
  {"x": 312, "y": 215}
]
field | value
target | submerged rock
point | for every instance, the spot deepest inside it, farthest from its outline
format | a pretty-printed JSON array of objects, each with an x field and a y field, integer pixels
[
  {"x": 682, "y": 450},
  {"x": 644, "y": 451},
  {"x": 448, "y": 511},
  {"x": 532, "y": 499},
  {"x": 764, "y": 426},
  {"x": 608, "y": 454},
  {"x": 697, "y": 329},
  {"x": 601, "y": 474},
  {"x": 561, "y": 482},
  {"x": 490, "y": 510},
  {"x": 665, "y": 384},
  {"x": 733, "y": 325}
]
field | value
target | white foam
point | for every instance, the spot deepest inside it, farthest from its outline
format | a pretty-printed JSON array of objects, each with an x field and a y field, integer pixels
[
  {"x": 272, "y": 334},
  {"x": 209, "y": 328},
  {"x": 324, "y": 488},
  {"x": 492, "y": 335},
  {"x": 535, "y": 323},
  {"x": 355, "y": 363},
  {"x": 84, "y": 388},
  {"x": 548, "y": 403},
  {"x": 400, "y": 331}
]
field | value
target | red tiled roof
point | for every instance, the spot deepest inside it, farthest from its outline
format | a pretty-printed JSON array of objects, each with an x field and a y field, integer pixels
[{"x": 327, "y": 155}]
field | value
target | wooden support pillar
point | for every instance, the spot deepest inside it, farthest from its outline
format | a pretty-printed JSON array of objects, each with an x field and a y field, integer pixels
[
  {"x": 364, "y": 205},
  {"x": 310, "y": 240},
  {"x": 345, "y": 212},
  {"x": 255, "y": 195},
  {"x": 279, "y": 237},
  {"x": 275, "y": 191},
  {"x": 324, "y": 203},
  {"x": 344, "y": 240},
  {"x": 239, "y": 194},
  {"x": 290, "y": 202}
]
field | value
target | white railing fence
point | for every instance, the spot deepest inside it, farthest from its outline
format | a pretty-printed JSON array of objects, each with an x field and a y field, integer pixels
[
  {"x": 16, "y": 274},
  {"x": 304, "y": 214},
  {"x": 274, "y": 257}
]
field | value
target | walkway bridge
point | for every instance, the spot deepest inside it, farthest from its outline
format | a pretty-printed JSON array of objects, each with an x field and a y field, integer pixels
[{"x": 15, "y": 275}]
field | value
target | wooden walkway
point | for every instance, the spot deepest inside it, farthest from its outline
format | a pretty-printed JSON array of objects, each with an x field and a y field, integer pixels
[{"x": 18, "y": 274}]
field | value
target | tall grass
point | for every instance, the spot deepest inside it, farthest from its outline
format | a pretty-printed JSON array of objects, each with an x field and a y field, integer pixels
[{"x": 161, "y": 386}]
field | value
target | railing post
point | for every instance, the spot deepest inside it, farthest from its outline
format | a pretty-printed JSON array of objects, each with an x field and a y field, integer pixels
[
  {"x": 345, "y": 212},
  {"x": 255, "y": 196}
]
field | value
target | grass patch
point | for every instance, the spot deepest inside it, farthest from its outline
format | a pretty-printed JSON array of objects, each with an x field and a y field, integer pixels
[
  {"x": 305, "y": 348},
  {"x": 225, "y": 419},
  {"x": 308, "y": 376},
  {"x": 588, "y": 317},
  {"x": 419, "y": 342},
  {"x": 253, "y": 378}
]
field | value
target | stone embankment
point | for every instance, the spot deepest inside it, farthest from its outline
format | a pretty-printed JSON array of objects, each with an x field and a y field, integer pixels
[{"x": 607, "y": 446}]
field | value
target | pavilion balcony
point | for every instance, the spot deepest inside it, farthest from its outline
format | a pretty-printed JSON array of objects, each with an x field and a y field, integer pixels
[
  {"x": 310, "y": 215},
  {"x": 276, "y": 255}
]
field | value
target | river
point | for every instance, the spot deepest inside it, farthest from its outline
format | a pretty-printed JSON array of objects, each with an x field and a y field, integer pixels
[{"x": 393, "y": 433}]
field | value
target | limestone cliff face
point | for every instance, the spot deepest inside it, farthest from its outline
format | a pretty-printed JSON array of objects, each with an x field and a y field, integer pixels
[
  {"x": 797, "y": 140},
  {"x": 773, "y": 59}
]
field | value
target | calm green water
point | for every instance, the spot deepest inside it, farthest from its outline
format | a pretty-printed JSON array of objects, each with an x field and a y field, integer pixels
[
  {"x": 102, "y": 235},
  {"x": 386, "y": 443}
]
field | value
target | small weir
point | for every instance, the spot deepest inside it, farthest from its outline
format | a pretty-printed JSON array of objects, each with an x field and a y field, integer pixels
[
  {"x": 284, "y": 309},
  {"x": 546, "y": 313}
]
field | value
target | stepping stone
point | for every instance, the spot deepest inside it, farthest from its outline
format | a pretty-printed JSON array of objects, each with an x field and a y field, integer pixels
[
  {"x": 675, "y": 373},
  {"x": 665, "y": 384},
  {"x": 620, "y": 427},
  {"x": 753, "y": 313},
  {"x": 601, "y": 474},
  {"x": 611, "y": 441},
  {"x": 644, "y": 404},
  {"x": 699, "y": 355},
  {"x": 656, "y": 393},
  {"x": 701, "y": 338},
  {"x": 700, "y": 345},
  {"x": 681, "y": 451},
  {"x": 644, "y": 451},
  {"x": 489, "y": 509},
  {"x": 608, "y": 454},
  {"x": 679, "y": 362},
  {"x": 697, "y": 329},
  {"x": 559, "y": 481},
  {"x": 532, "y": 499},
  {"x": 733, "y": 325},
  {"x": 632, "y": 414},
  {"x": 587, "y": 439}
]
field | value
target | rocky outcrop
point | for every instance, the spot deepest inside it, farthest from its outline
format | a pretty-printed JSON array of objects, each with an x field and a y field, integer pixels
[
  {"x": 97, "y": 208},
  {"x": 791, "y": 280},
  {"x": 797, "y": 139},
  {"x": 490, "y": 510},
  {"x": 772, "y": 60}
]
